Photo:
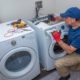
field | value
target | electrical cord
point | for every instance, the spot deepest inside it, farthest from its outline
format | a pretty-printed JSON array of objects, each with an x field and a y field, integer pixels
[{"x": 15, "y": 31}]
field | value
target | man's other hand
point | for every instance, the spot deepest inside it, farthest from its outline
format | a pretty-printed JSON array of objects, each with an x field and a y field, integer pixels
[{"x": 56, "y": 36}]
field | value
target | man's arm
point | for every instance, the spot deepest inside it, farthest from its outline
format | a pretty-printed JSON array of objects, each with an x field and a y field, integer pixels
[
  {"x": 67, "y": 48},
  {"x": 59, "y": 18},
  {"x": 52, "y": 18}
]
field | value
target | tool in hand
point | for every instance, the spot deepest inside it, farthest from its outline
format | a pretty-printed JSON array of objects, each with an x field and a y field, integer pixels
[
  {"x": 20, "y": 25},
  {"x": 16, "y": 22},
  {"x": 56, "y": 36},
  {"x": 51, "y": 17}
]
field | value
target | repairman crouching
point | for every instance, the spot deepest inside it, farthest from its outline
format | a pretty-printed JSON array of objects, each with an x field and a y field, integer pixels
[{"x": 72, "y": 60}]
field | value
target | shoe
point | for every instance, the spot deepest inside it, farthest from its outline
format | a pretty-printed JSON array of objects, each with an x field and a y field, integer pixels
[{"x": 65, "y": 78}]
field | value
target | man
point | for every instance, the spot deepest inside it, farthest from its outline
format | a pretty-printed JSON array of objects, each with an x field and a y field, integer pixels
[{"x": 72, "y": 60}]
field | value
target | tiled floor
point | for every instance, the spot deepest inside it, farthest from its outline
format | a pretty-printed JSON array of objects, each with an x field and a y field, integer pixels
[{"x": 43, "y": 73}]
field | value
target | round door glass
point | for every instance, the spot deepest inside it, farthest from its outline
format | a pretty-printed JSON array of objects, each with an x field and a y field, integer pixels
[
  {"x": 57, "y": 49},
  {"x": 18, "y": 61}
]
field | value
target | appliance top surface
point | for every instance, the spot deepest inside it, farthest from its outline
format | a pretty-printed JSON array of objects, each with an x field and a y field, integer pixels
[
  {"x": 44, "y": 26},
  {"x": 7, "y": 31},
  {"x": 42, "y": 22}
]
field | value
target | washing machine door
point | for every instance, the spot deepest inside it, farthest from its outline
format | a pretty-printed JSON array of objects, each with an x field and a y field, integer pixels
[
  {"x": 55, "y": 51},
  {"x": 18, "y": 62}
]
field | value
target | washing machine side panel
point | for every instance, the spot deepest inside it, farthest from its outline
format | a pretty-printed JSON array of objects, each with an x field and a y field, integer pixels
[
  {"x": 40, "y": 35},
  {"x": 39, "y": 41},
  {"x": 44, "y": 51},
  {"x": 49, "y": 61}
]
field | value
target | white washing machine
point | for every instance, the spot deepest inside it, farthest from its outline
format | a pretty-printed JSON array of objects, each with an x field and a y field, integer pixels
[
  {"x": 18, "y": 54},
  {"x": 49, "y": 50}
]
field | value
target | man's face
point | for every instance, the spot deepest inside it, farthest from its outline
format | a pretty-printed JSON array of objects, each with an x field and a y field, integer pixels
[{"x": 68, "y": 21}]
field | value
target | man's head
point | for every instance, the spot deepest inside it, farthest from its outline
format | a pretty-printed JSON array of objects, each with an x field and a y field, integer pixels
[{"x": 71, "y": 15}]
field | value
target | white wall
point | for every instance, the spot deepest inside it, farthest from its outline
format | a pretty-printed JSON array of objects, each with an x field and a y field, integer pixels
[
  {"x": 48, "y": 7},
  {"x": 63, "y": 5},
  {"x": 24, "y": 9}
]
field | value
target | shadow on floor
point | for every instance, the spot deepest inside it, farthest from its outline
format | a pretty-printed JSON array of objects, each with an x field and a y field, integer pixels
[{"x": 43, "y": 73}]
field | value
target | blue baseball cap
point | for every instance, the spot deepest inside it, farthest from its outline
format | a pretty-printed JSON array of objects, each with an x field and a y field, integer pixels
[{"x": 72, "y": 12}]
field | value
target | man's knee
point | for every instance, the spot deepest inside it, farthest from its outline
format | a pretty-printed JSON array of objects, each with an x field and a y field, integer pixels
[{"x": 57, "y": 63}]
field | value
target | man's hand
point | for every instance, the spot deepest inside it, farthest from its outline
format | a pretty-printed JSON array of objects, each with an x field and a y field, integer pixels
[
  {"x": 56, "y": 36},
  {"x": 59, "y": 18}
]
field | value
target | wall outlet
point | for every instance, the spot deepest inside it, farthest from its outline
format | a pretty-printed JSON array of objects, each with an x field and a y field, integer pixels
[{"x": 38, "y": 4}]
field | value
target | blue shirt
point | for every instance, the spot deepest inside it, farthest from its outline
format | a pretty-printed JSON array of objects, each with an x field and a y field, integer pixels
[{"x": 74, "y": 38}]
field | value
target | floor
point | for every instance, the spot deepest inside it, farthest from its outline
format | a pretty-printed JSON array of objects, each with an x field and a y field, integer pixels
[{"x": 43, "y": 73}]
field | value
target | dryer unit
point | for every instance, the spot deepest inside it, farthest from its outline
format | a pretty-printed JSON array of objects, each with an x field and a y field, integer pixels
[
  {"x": 49, "y": 50},
  {"x": 18, "y": 53}
]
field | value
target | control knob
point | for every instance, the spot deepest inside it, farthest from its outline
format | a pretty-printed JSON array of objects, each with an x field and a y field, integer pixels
[{"x": 13, "y": 42}]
